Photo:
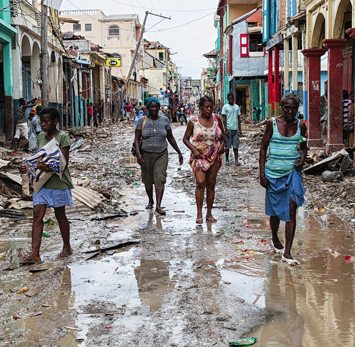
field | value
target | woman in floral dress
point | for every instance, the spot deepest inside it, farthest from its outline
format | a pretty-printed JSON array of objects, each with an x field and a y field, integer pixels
[{"x": 207, "y": 147}]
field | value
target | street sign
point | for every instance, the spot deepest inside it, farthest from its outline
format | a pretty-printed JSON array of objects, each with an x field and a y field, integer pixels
[{"x": 113, "y": 61}]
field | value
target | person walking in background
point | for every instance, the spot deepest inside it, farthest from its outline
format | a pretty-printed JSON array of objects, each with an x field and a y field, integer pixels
[
  {"x": 152, "y": 156},
  {"x": 128, "y": 109},
  {"x": 346, "y": 104},
  {"x": 90, "y": 112},
  {"x": 231, "y": 118},
  {"x": 207, "y": 147},
  {"x": 96, "y": 117},
  {"x": 21, "y": 124},
  {"x": 35, "y": 129},
  {"x": 282, "y": 175}
]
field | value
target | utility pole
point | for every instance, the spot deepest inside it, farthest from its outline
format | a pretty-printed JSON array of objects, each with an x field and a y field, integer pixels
[
  {"x": 44, "y": 55},
  {"x": 125, "y": 89}
]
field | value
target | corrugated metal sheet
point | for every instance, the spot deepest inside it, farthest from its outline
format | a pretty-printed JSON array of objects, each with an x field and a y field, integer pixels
[
  {"x": 87, "y": 196},
  {"x": 15, "y": 178},
  {"x": 3, "y": 163}
]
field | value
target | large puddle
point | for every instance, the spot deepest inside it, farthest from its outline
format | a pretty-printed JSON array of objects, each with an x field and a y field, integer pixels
[{"x": 310, "y": 305}]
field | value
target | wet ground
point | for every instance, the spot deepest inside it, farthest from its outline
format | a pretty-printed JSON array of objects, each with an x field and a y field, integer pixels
[{"x": 185, "y": 285}]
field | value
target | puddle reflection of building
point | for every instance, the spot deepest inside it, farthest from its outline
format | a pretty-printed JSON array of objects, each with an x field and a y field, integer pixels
[
  {"x": 53, "y": 317},
  {"x": 153, "y": 282},
  {"x": 288, "y": 328}
]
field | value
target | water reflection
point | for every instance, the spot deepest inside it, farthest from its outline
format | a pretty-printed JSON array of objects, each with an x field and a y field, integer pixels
[
  {"x": 153, "y": 281},
  {"x": 314, "y": 303}
]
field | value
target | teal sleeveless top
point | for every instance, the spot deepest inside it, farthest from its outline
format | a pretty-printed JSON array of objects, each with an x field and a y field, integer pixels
[{"x": 283, "y": 153}]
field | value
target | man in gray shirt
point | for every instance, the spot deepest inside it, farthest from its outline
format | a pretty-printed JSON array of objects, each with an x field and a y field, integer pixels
[{"x": 21, "y": 125}]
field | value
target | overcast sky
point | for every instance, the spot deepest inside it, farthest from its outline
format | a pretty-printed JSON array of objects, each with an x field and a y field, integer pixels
[{"x": 190, "y": 41}]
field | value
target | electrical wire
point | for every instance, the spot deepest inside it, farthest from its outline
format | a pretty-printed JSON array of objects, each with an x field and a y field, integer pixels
[
  {"x": 10, "y": 5},
  {"x": 107, "y": 25},
  {"x": 154, "y": 25},
  {"x": 166, "y": 10},
  {"x": 179, "y": 26}
]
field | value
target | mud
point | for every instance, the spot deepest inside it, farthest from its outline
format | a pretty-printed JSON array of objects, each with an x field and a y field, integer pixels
[{"x": 186, "y": 285}]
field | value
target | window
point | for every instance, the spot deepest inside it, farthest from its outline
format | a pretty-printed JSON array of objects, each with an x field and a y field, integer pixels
[
  {"x": 254, "y": 40},
  {"x": 114, "y": 30},
  {"x": 76, "y": 27},
  {"x": 161, "y": 56},
  {"x": 88, "y": 27}
]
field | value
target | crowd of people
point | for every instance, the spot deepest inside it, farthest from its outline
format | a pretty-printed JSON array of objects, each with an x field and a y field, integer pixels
[{"x": 208, "y": 136}]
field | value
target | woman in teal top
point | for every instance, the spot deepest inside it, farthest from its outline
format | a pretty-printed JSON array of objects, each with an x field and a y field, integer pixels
[{"x": 282, "y": 176}]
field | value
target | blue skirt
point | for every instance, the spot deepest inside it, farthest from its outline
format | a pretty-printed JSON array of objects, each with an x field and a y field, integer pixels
[
  {"x": 281, "y": 190},
  {"x": 53, "y": 198}
]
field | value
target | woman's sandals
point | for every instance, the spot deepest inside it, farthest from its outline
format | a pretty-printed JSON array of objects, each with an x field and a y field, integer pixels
[
  {"x": 291, "y": 262},
  {"x": 277, "y": 250}
]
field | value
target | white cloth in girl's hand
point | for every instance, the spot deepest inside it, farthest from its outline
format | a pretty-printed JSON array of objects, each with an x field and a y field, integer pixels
[{"x": 53, "y": 157}]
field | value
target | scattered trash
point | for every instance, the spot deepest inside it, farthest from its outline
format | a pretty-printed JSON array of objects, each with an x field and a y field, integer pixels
[
  {"x": 238, "y": 215},
  {"x": 244, "y": 342},
  {"x": 77, "y": 144},
  {"x": 110, "y": 252},
  {"x": 49, "y": 222},
  {"x": 16, "y": 317},
  {"x": 179, "y": 211},
  {"x": 72, "y": 328},
  {"x": 11, "y": 214},
  {"x": 119, "y": 244},
  {"x": 23, "y": 290},
  {"x": 46, "y": 234},
  {"x": 109, "y": 216},
  {"x": 332, "y": 176},
  {"x": 35, "y": 314},
  {"x": 340, "y": 161},
  {"x": 93, "y": 255},
  {"x": 133, "y": 213},
  {"x": 334, "y": 253},
  {"x": 167, "y": 220},
  {"x": 38, "y": 270}
]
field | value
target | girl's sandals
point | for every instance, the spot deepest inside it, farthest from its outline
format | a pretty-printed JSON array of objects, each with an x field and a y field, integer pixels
[
  {"x": 149, "y": 206},
  {"x": 63, "y": 254},
  {"x": 160, "y": 212},
  {"x": 211, "y": 220},
  {"x": 199, "y": 220},
  {"x": 30, "y": 260}
]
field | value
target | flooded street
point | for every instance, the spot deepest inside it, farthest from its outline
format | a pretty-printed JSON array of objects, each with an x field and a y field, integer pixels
[{"x": 181, "y": 284}]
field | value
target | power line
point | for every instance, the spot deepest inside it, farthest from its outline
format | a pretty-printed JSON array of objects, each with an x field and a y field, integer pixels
[
  {"x": 179, "y": 26},
  {"x": 183, "y": 61},
  {"x": 107, "y": 25},
  {"x": 165, "y": 10}
]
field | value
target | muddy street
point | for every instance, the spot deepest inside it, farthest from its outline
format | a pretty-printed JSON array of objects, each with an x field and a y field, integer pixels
[{"x": 175, "y": 283}]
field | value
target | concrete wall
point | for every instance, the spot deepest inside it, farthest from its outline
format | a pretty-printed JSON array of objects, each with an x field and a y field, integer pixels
[{"x": 157, "y": 79}]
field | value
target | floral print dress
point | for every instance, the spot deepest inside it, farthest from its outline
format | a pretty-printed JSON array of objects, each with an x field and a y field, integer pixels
[{"x": 207, "y": 142}]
